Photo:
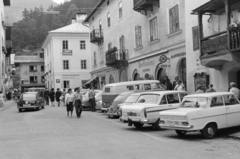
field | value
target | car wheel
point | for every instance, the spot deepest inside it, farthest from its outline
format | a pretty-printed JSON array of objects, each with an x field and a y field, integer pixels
[
  {"x": 156, "y": 126},
  {"x": 209, "y": 131},
  {"x": 138, "y": 125},
  {"x": 20, "y": 110},
  {"x": 181, "y": 133}
]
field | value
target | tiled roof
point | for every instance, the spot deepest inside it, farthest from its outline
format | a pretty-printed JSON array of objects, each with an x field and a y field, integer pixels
[
  {"x": 27, "y": 59},
  {"x": 72, "y": 28}
]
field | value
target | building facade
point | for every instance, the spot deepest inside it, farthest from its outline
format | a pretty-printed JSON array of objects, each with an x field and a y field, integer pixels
[
  {"x": 30, "y": 68},
  {"x": 137, "y": 40},
  {"x": 213, "y": 45},
  {"x": 68, "y": 56}
]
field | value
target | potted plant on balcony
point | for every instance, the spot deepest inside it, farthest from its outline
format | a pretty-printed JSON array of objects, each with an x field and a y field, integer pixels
[{"x": 235, "y": 26}]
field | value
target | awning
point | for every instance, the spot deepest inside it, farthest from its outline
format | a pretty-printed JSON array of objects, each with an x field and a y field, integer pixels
[{"x": 90, "y": 81}]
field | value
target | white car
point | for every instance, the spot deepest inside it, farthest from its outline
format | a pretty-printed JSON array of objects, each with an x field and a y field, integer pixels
[
  {"x": 149, "y": 104},
  {"x": 205, "y": 112}
]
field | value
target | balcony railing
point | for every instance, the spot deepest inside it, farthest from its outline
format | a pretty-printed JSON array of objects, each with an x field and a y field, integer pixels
[
  {"x": 234, "y": 39},
  {"x": 96, "y": 36},
  {"x": 117, "y": 58},
  {"x": 214, "y": 44},
  {"x": 143, "y": 6}
]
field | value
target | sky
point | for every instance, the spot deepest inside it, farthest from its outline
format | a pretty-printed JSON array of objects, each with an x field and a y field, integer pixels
[{"x": 60, "y": 1}]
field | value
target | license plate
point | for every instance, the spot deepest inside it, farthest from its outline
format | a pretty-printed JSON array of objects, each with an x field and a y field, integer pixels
[
  {"x": 170, "y": 122},
  {"x": 131, "y": 114}
]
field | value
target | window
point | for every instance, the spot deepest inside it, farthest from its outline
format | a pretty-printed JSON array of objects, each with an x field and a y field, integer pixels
[
  {"x": 120, "y": 10},
  {"x": 230, "y": 100},
  {"x": 174, "y": 19},
  {"x": 108, "y": 2},
  {"x": 195, "y": 34},
  {"x": 33, "y": 68},
  {"x": 108, "y": 20},
  {"x": 182, "y": 95},
  {"x": 153, "y": 29},
  {"x": 217, "y": 101},
  {"x": 172, "y": 98},
  {"x": 83, "y": 64},
  {"x": 65, "y": 64},
  {"x": 101, "y": 53},
  {"x": 42, "y": 68},
  {"x": 163, "y": 101},
  {"x": 109, "y": 46},
  {"x": 147, "y": 86},
  {"x": 138, "y": 36},
  {"x": 66, "y": 84},
  {"x": 130, "y": 88},
  {"x": 94, "y": 59},
  {"x": 82, "y": 45},
  {"x": 41, "y": 55},
  {"x": 43, "y": 79},
  {"x": 65, "y": 45},
  {"x": 121, "y": 43},
  {"x": 33, "y": 79}
]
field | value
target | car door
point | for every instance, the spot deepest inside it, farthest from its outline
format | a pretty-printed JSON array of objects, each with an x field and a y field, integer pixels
[
  {"x": 232, "y": 110},
  {"x": 173, "y": 100}
]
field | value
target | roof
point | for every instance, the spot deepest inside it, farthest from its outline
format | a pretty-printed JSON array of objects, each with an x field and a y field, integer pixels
[
  {"x": 72, "y": 28},
  {"x": 213, "y": 94},
  {"x": 94, "y": 10},
  {"x": 159, "y": 92},
  {"x": 132, "y": 82},
  {"x": 27, "y": 58}
]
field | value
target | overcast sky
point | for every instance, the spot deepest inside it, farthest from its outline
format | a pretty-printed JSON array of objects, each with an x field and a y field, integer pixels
[{"x": 59, "y": 1}]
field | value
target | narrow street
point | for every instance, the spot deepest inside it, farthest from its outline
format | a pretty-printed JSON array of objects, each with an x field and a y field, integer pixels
[{"x": 50, "y": 134}]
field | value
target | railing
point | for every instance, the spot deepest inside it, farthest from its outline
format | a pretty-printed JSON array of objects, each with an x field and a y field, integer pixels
[
  {"x": 234, "y": 39},
  {"x": 96, "y": 35},
  {"x": 116, "y": 55}
]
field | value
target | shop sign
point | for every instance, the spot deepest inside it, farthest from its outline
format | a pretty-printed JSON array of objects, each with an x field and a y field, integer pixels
[
  {"x": 71, "y": 76},
  {"x": 164, "y": 66},
  {"x": 146, "y": 70},
  {"x": 57, "y": 80},
  {"x": 67, "y": 52},
  {"x": 162, "y": 58},
  {"x": 178, "y": 55},
  {"x": 145, "y": 63}
]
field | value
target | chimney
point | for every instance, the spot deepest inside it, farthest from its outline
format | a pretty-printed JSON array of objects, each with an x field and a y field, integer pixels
[
  {"x": 80, "y": 17},
  {"x": 73, "y": 20}
]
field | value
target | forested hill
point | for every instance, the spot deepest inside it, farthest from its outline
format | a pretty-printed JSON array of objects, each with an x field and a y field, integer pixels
[{"x": 33, "y": 28}]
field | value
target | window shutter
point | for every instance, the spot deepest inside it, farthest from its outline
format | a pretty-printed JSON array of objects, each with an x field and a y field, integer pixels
[{"x": 195, "y": 34}]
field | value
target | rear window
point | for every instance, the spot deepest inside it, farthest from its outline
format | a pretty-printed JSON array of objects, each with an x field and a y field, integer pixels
[
  {"x": 107, "y": 89},
  {"x": 149, "y": 98},
  {"x": 29, "y": 96},
  {"x": 130, "y": 88},
  {"x": 131, "y": 99}
]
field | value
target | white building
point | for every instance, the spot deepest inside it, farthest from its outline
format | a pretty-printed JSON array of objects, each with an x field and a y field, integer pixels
[{"x": 67, "y": 55}]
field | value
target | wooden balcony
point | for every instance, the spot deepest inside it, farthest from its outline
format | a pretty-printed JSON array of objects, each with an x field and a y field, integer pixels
[
  {"x": 117, "y": 59},
  {"x": 96, "y": 36},
  {"x": 234, "y": 34},
  {"x": 143, "y": 6}
]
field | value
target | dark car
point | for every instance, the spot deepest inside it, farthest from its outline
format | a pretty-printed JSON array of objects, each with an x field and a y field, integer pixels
[{"x": 30, "y": 100}]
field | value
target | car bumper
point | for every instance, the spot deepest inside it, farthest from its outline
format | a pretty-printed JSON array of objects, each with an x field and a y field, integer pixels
[
  {"x": 104, "y": 109},
  {"x": 113, "y": 114},
  {"x": 133, "y": 120},
  {"x": 28, "y": 107},
  {"x": 177, "y": 127}
]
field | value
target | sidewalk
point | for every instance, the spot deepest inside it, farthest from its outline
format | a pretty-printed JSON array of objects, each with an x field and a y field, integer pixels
[
  {"x": 6, "y": 104},
  {"x": 235, "y": 136}
]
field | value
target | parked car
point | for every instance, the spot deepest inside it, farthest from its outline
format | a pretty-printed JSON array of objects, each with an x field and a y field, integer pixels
[
  {"x": 30, "y": 100},
  {"x": 85, "y": 100},
  {"x": 99, "y": 105},
  {"x": 111, "y": 91},
  {"x": 113, "y": 110},
  {"x": 149, "y": 104},
  {"x": 206, "y": 113}
]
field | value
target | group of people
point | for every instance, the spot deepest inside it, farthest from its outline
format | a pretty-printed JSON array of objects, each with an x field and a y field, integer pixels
[
  {"x": 13, "y": 94},
  {"x": 69, "y": 99}
]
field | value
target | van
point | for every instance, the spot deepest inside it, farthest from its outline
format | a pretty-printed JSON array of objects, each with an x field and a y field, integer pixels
[{"x": 111, "y": 91}]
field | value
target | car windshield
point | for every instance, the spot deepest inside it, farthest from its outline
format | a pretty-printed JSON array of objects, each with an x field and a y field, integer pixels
[
  {"x": 99, "y": 94},
  {"x": 131, "y": 99},
  {"x": 29, "y": 96},
  {"x": 194, "y": 102},
  {"x": 149, "y": 98}
]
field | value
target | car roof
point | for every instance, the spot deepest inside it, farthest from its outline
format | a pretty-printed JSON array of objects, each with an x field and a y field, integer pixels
[
  {"x": 159, "y": 92},
  {"x": 131, "y": 83},
  {"x": 213, "y": 94}
]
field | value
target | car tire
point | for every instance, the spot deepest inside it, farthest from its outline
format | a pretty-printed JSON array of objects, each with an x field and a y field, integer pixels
[
  {"x": 209, "y": 131},
  {"x": 156, "y": 126},
  {"x": 138, "y": 125},
  {"x": 181, "y": 132},
  {"x": 20, "y": 110}
]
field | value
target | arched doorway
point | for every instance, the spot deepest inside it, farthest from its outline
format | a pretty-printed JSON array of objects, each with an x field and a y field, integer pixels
[
  {"x": 136, "y": 75},
  {"x": 123, "y": 76},
  {"x": 182, "y": 71},
  {"x": 234, "y": 76},
  {"x": 161, "y": 74},
  {"x": 111, "y": 79}
]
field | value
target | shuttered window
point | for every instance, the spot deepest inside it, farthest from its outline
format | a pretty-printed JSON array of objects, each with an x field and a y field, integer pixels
[
  {"x": 174, "y": 19},
  {"x": 195, "y": 34},
  {"x": 138, "y": 36}
]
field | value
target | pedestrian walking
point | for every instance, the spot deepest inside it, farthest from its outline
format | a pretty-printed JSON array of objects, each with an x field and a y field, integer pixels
[
  {"x": 58, "y": 95},
  {"x": 78, "y": 102},
  {"x": 52, "y": 96},
  {"x": 210, "y": 89},
  {"x": 179, "y": 86},
  {"x": 69, "y": 98},
  {"x": 92, "y": 101},
  {"x": 234, "y": 90},
  {"x": 46, "y": 96},
  {"x": 63, "y": 96},
  {"x": 175, "y": 82},
  {"x": 199, "y": 90},
  {"x": 1, "y": 100}
]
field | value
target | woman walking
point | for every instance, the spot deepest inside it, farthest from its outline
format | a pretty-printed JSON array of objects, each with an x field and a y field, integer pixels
[
  {"x": 58, "y": 95},
  {"x": 78, "y": 102},
  {"x": 1, "y": 100},
  {"x": 69, "y": 98},
  {"x": 52, "y": 96}
]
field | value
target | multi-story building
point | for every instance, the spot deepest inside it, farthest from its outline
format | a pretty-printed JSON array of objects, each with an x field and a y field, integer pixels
[
  {"x": 67, "y": 55},
  {"x": 137, "y": 39},
  {"x": 213, "y": 43},
  {"x": 5, "y": 44},
  {"x": 30, "y": 68}
]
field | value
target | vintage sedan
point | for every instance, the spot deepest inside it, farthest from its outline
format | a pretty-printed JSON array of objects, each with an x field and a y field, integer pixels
[
  {"x": 85, "y": 100},
  {"x": 206, "y": 113},
  {"x": 30, "y": 100},
  {"x": 125, "y": 98},
  {"x": 149, "y": 104}
]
